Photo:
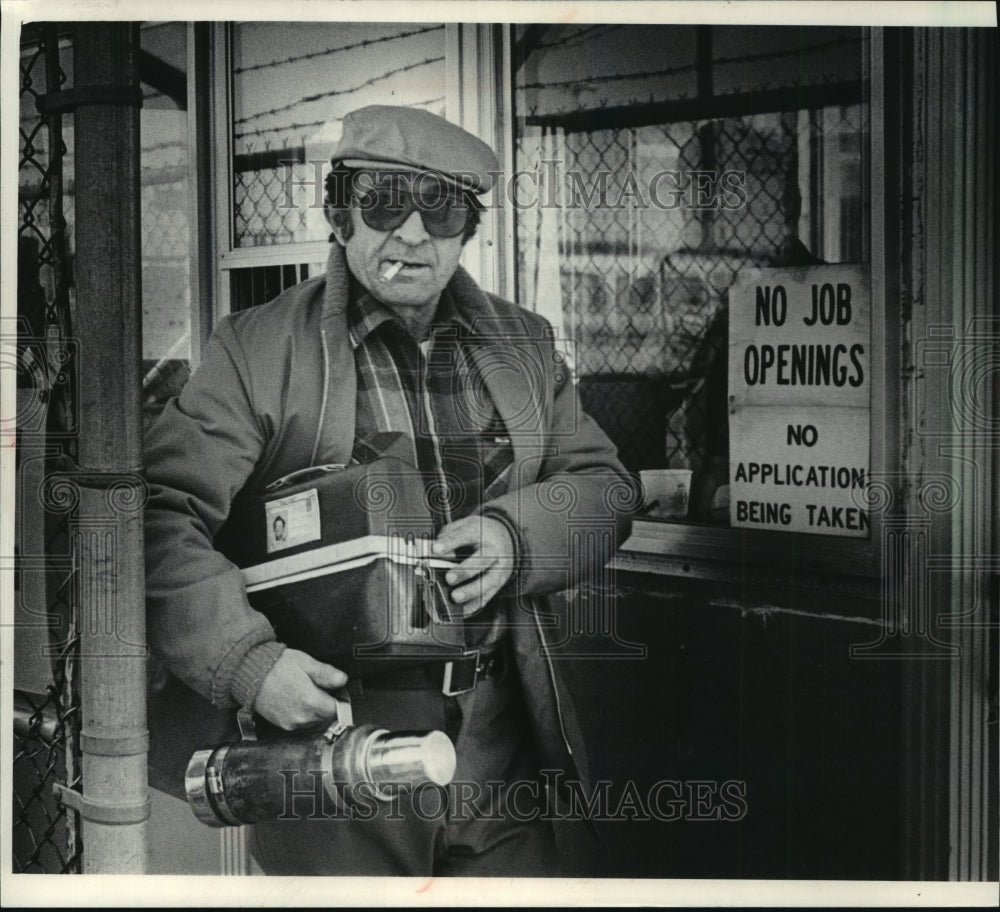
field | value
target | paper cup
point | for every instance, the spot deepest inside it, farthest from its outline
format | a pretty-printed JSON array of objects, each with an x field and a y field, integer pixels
[{"x": 666, "y": 492}]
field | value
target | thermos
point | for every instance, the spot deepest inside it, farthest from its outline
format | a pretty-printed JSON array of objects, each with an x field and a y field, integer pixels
[{"x": 250, "y": 781}]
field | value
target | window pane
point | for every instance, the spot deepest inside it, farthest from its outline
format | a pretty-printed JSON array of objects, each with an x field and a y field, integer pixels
[
  {"x": 662, "y": 172},
  {"x": 292, "y": 84},
  {"x": 166, "y": 230}
]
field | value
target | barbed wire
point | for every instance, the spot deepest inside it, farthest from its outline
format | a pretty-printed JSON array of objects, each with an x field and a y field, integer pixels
[
  {"x": 585, "y": 33},
  {"x": 318, "y": 123},
  {"x": 772, "y": 55},
  {"x": 169, "y": 144},
  {"x": 321, "y": 96},
  {"x": 672, "y": 71},
  {"x": 610, "y": 77},
  {"x": 346, "y": 47}
]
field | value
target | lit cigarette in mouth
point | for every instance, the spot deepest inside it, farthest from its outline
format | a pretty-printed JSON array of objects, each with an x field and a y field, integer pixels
[{"x": 389, "y": 273}]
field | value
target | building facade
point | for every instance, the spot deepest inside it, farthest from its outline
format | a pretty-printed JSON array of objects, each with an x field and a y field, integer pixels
[{"x": 768, "y": 254}]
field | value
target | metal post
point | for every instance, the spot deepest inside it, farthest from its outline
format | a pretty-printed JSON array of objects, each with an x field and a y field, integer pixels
[
  {"x": 108, "y": 541},
  {"x": 946, "y": 129}
]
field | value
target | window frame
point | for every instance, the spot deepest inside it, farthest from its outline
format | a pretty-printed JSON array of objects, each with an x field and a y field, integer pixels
[
  {"x": 471, "y": 61},
  {"x": 782, "y": 559}
]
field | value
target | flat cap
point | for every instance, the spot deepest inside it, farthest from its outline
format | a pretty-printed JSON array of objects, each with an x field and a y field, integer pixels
[{"x": 387, "y": 136}]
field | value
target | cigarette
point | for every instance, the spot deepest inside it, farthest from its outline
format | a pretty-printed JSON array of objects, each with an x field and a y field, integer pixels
[{"x": 390, "y": 271}]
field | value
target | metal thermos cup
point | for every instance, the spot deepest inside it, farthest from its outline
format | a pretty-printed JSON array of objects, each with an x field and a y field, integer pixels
[{"x": 248, "y": 782}]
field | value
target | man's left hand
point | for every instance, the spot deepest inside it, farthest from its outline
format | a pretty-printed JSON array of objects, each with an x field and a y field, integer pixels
[{"x": 481, "y": 575}]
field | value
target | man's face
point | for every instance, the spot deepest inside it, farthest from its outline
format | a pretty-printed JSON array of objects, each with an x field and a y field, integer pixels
[{"x": 428, "y": 262}]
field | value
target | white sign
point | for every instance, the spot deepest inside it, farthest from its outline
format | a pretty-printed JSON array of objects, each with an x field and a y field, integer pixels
[{"x": 800, "y": 399}]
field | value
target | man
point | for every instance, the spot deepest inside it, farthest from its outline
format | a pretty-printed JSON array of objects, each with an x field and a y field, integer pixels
[{"x": 395, "y": 337}]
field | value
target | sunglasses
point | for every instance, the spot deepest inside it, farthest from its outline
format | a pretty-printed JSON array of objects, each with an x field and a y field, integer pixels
[{"x": 384, "y": 207}]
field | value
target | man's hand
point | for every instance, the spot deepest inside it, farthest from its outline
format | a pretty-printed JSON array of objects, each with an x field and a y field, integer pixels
[
  {"x": 486, "y": 569},
  {"x": 294, "y": 692}
]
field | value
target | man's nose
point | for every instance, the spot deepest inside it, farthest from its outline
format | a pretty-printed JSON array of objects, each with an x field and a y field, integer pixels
[{"x": 412, "y": 231}]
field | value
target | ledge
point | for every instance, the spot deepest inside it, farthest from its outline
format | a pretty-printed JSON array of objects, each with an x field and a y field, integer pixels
[{"x": 752, "y": 558}]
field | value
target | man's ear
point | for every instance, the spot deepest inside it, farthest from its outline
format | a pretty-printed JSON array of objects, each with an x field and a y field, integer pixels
[{"x": 338, "y": 231}]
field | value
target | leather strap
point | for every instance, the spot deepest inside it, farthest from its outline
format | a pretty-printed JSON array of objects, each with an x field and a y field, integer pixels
[{"x": 467, "y": 670}]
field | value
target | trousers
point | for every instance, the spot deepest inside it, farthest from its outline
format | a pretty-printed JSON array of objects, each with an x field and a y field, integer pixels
[{"x": 487, "y": 822}]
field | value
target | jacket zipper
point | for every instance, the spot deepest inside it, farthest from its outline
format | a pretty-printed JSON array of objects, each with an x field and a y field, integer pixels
[
  {"x": 552, "y": 680},
  {"x": 326, "y": 393},
  {"x": 534, "y": 613},
  {"x": 562, "y": 725}
]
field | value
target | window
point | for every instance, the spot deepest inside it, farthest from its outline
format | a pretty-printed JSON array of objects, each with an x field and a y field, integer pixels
[
  {"x": 665, "y": 161},
  {"x": 169, "y": 251},
  {"x": 291, "y": 85}
]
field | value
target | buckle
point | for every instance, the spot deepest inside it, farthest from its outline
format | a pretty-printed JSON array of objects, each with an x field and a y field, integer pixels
[
  {"x": 461, "y": 675},
  {"x": 434, "y": 595}
]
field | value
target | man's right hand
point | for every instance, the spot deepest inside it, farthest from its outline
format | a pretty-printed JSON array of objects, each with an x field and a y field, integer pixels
[{"x": 294, "y": 694}]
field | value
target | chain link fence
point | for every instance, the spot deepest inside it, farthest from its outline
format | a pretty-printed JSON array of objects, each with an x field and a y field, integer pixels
[
  {"x": 46, "y": 834},
  {"x": 638, "y": 234}
]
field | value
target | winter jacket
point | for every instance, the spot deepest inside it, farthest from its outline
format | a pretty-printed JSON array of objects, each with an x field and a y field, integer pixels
[{"x": 275, "y": 392}]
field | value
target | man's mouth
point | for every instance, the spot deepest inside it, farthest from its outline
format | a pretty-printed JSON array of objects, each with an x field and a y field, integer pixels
[{"x": 392, "y": 268}]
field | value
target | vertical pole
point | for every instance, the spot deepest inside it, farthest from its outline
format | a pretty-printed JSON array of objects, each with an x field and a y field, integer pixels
[
  {"x": 199, "y": 101},
  {"x": 968, "y": 100},
  {"x": 924, "y": 682},
  {"x": 108, "y": 540},
  {"x": 947, "y": 131}
]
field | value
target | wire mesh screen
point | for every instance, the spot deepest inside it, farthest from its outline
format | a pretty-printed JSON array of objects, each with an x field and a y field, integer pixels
[
  {"x": 164, "y": 221},
  {"x": 46, "y": 709},
  {"x": 166, "y": 288},
  {"x": 631, "y": 232},
  {"x": 259, "y": 187}
]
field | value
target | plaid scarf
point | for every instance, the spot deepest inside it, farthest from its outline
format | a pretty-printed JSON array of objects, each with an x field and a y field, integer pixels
[{"x": 432, "y": 393}]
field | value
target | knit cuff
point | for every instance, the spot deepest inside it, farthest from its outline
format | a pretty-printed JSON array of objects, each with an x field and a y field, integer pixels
[
  {"x": 500, "y": 516},
  {"x": 250, "y": 673}
]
